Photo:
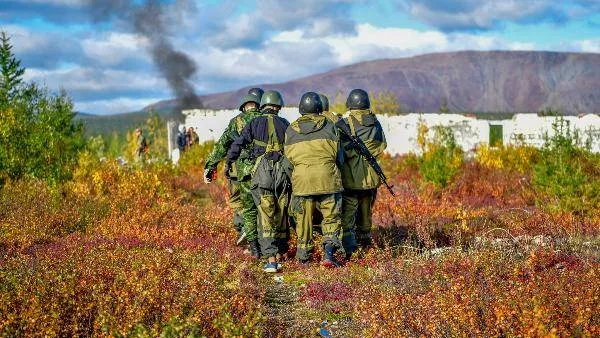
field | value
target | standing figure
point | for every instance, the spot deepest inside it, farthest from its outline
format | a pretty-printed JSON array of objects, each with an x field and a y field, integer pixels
[
  {"x": 359, "y": 178},
  {"x": 194, "y": 138},
  {"x": 270, "y": 188},
  {"x": 181, "y": 143},
  {"x": 312, "y": 146},
  {"x": 141, "y": 147},
  {"x": 239, "y": 173}
]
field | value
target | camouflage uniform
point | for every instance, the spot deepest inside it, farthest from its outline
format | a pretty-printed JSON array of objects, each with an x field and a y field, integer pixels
[
  {"x": 270, "y": 189},
  {"x": 239, "y": 174},
  {"x": 359, "y": 179},
  {"x": 312, "y": 145}
]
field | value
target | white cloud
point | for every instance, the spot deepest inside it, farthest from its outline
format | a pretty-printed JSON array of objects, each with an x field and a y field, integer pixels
[
  {"x": 115, "y": 48},
  {"x": 373, "y": 43}
]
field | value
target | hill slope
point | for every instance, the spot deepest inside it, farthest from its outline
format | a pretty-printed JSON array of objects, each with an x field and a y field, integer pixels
[{"x": 497, "y": 81}]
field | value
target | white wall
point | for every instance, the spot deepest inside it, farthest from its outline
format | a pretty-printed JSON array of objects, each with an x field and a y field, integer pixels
[{"x": 401, "y": 131}]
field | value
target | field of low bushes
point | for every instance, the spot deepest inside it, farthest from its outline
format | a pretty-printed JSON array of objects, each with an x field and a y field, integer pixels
[{"x": 502, "y": 243}]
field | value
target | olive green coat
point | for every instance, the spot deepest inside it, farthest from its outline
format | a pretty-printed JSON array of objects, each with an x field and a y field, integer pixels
[
  {"x": 357, "y": 174},
  {"x": 312, "y": 145}
]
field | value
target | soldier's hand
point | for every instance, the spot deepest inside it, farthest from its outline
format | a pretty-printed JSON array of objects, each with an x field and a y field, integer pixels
[{"x": 209, "y": 175}]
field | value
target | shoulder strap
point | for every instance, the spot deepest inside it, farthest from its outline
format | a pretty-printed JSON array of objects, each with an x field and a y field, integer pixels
[
  {"x": 351, "y": 123},
  {"x": 272, "y": 144}
]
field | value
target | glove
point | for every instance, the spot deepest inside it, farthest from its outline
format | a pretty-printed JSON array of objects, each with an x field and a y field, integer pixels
[{"x": 209, "y": 175}]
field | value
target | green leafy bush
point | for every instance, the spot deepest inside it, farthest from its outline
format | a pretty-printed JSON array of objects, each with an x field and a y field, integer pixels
[
  {"x": 567, "y": 175},
  {"x": 442, "y": 157}
]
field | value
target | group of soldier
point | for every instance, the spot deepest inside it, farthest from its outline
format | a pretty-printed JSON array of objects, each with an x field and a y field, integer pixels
[{"x": 284, "y": 175}]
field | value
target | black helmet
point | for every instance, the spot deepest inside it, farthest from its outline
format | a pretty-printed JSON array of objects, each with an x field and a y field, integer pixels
[
  {"x": 271, "y": 97},
  {"x": 248, "y": 98},
  {"x": 358, "y": 99},
  {"x": 258, "y": 92},
  {"x": 325, "y": 102},
  {"x": 310, "y": 103}
]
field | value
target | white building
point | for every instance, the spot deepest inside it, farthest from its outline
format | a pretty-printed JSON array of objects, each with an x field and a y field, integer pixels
[{"x": 401, "y": 131}]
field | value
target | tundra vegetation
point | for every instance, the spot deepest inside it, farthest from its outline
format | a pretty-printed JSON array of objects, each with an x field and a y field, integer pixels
[{"x": 504, "y": 243}]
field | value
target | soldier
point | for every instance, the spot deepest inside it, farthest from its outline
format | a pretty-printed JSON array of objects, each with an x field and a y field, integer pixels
[
  {"x": 359, "y": 178},
  {"x": 141, "y": 147},
  {"x": 312, "y": 145},
  {"x": 270, "y": 187},
  {"x": 181, "y": 139},
  {"x": 239, "y": 174},
  {"x": 194, "y": 138},
  {"x": 331, "y": 116}
]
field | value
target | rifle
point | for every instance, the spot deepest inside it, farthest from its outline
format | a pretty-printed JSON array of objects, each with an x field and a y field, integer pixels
[{"x": 357, "y": 144}]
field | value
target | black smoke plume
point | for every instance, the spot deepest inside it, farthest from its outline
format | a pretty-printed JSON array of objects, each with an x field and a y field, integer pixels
[{"x": 150, "y": 19}]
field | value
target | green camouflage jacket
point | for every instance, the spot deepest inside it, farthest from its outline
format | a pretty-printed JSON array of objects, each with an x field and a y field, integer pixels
[{"x": 242, "y": 169}]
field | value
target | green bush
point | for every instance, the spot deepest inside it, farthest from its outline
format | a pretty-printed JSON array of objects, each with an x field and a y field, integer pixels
[
  {"x": 442, "y": 157},
  {"x": 567, "y": 175}
]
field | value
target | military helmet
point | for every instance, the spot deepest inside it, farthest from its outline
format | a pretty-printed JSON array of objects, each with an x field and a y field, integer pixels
[
  {"x": 248, "y": 98},
  {"x": 358, "y": 99},
  {"x": 325, "y": 102},
  {"x": 258, "y": 92},
  {"x": 310, "y": 103},
  {"x": 271, "y": 97}
]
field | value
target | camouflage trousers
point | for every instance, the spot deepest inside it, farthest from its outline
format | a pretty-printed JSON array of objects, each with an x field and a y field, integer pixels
[
  {"x": 273, "y": 229},
  {"x": 248, "y": 211},
  {"x": 302, "y": 209},
  {"x": 357, "y": 218},
  {"x": 235, "y": 202}
]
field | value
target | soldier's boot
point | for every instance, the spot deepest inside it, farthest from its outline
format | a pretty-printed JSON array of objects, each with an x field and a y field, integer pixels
[
  {"x": 329, "y": 259},
  {"x": 254, "y": 249}
]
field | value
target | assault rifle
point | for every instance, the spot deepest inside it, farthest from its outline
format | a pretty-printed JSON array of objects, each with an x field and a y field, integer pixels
[{"x": 357, "y": 144}]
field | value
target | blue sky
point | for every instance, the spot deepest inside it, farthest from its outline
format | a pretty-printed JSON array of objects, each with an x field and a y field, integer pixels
[{"x": 106, "y": 67}]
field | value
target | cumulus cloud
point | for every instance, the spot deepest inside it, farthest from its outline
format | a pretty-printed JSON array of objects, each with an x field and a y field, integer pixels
[
  {"x": 316, "y": 18},
  {"x": 115, "y": 48}
]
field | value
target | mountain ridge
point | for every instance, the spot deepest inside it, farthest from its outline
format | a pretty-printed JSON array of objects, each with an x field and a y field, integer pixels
[{"x": 466, "y": 81}]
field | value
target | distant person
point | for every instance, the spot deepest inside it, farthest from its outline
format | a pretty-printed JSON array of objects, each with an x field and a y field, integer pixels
[
  {"x": 141, "y": 147},
  {"x": 312, "y": 145},
  {"x": 181, "y": 139},
  {"x": 194, "y": 138},
  {"x": 188, "y": 138}
]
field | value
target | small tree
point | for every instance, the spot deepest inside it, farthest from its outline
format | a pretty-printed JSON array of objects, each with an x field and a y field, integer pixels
[{"x": 38, "y": 137}]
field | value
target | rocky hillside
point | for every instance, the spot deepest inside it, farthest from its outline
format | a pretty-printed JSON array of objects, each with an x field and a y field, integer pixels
[{"x": 498, "y": 81}]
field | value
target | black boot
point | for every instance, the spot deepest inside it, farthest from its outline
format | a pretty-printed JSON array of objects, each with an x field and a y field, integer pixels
[
  {"x": 254, "y": 249},
  {"x": 329, "y": 259}
]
